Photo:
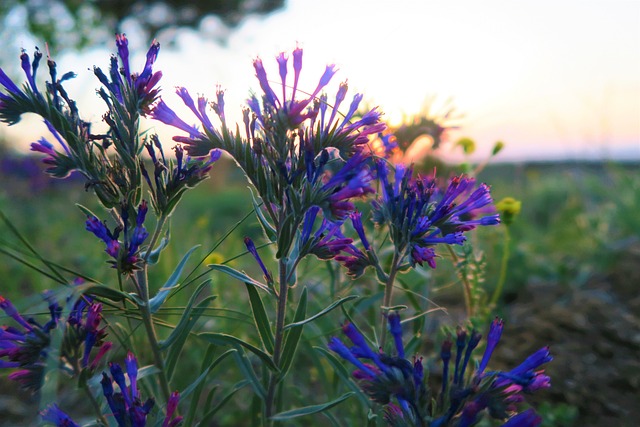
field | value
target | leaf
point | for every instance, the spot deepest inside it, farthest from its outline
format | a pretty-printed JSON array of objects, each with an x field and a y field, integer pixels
[
  {"x": 156, "y": 302},
  {"x": 285, "y": 238},
  {"x": 238, "y": 275},
  {"x": 187, "y": 391},
  {"x": 334, "y": 305},
  {"x": 268, "y": 229},
  {"x": 245, "y": 366},
  {"x": 184, "y": 325},
  {"x": 154, "y": 255},
  {"x": 103, "y": 291},
  {"x": 207, "y": 417},
  {"x": 293, "y": 337},
  {"x": 344, "y": 374},
  {"x": 224, "y": 339},
  {"x": 176, "y": 347},
  {"x": 310, "y": 410},
  {"x": 260, "y": 318}
]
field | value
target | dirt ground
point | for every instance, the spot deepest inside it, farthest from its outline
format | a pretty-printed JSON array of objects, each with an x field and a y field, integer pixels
[{"x": 594, "y": 335}]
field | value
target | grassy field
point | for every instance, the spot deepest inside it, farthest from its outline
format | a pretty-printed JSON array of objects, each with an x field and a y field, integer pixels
[{"x": 576, "y": 221}]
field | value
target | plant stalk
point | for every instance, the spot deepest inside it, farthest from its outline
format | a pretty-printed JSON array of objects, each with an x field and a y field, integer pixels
[
  {"x": 279, "y": 338},
  {"x": 503, "y": 268},
  {"x": 388, "y": 292},
  {"x": 147, "y": 320}
]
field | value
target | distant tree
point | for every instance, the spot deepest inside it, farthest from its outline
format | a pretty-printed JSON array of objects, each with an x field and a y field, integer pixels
[{"x": 76, "y": 24}]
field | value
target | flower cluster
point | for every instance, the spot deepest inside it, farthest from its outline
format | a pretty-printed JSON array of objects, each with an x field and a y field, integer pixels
[
  {"x": 296, "y": 151},
  {"x": 126, "y": 255},
  {"x": 127, "y": 96},
  {"x": 126, "y": 405},
  {"x": 172, "y": 178},
  {"x": 398, "y": 383},
  {"x": 420, "y": 214},
  {"x": 25, "y": 348}
]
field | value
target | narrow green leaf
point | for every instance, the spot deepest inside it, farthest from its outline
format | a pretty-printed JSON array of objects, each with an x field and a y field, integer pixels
[
  {"x": 238, "y": 275},
  {"x": 293, "y": 336},
  {"x": 154, "y": 256},
  {"x": 187, "y": 391},
  {"x": 245, "y": 366},
  {"x": 268, "y": 229},
  {"x": 334, "y": 305},
  {"x": 103, "y": 291},
  {"x": 310, "y": 410},
  {"x": 344, "y": 375},
  {"x": 206, "y": 418},
  {"x": 285, "y": 238},
  {"x": 183, "y": 325},
  {"x": 224, "y": 339},
  {"x": 176, "y": 347},
  {"x": 156, "y": 302},
  {"x": 260, "y": 318}
]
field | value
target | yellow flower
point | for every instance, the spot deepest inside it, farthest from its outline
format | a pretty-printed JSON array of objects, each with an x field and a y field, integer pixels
[{"x": 509, "y": 209}]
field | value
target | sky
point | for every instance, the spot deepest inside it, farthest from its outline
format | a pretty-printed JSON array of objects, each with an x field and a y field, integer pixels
[{"x": 552, "y": 79}]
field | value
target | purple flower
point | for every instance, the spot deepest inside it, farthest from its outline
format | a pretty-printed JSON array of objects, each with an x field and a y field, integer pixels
[
  {"x": 251, "y": 247},
  {"x": 420, "y": 214},
  {"x": 54, "y": 415},
  {"x": 142, "y": 85},
  {"x": 351, "y": 181},
  {"x": 127, "y": 260},
  {"x": 126, "y": 405}
]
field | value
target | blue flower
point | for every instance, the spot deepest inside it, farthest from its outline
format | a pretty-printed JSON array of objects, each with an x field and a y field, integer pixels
[
  {"x": 54, "y": 415},
  {"x": 251, "y": 247},
  {"x": 125, "y": 254},
  {"x": 126, "y": 405},
  {"x": 420, "y": 214},
  {"x": 141, "y": 86},
  {"x": 398, "y": 383}
]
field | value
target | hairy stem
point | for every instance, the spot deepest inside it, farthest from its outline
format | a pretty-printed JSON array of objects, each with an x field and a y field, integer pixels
[
  {"x": 503, "y": 268},
  {"x": 465, "y": 285},
  {"x": 154, "y": 238},
  {"x": 279, "y": 337},
  {"x": 147, "y": 320},
  {"x": 388, "y": 293}
]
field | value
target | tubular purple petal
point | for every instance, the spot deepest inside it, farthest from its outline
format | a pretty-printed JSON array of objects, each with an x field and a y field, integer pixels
[
  {"x": 123, "y": 52},
  {"x": 395, "y": 328},
  {"x": 54, "y": 415},
  {"x": 528, "y": 418},
  {"x": 495, "y": 332},
  {"x": 166, "y": 115},
  {"x": 261, "y": 74}
]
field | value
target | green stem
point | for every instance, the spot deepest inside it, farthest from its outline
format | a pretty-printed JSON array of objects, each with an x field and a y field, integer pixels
[
  {"x": 388, "y": 292},
  {"x": 156, "y": 234},
  {"x": 465, "y": 285},
  {"x": 279, "y": 338},
  {"x": 94, "y": 404},
  {"x": 147, "y": 320},
  {"x": 503, "y": 268}
]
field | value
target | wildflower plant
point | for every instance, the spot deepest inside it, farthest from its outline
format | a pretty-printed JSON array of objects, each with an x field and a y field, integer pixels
[{"x": 309, "y": 161}]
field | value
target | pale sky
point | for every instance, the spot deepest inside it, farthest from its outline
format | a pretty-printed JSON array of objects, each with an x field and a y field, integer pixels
[{"x": 552, "y": 79}]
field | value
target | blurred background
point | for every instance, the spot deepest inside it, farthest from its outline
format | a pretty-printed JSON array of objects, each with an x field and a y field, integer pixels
[{"x": 557, "y": 82}]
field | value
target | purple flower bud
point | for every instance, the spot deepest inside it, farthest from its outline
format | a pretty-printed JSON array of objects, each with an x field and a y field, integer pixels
[
  {"x": 54, "y": 415},
  {"x": 396, "y": 331},
  {"x": 251, "y": 247},
  {"x": 166, "y": 115},
  {"x": 356, "y": 220},
  {"x": 495, "y": 332},
  {"x": 261, "y": 74}
]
